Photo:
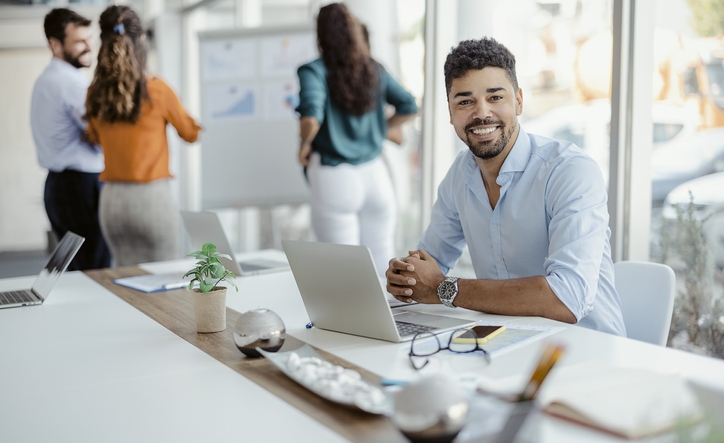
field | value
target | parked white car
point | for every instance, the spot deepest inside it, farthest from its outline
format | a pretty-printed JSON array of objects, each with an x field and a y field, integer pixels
[
  {"x": 684, "y": 159},
  {"x": 588, "y": 126},
  {"x": 708, "y": 199}
]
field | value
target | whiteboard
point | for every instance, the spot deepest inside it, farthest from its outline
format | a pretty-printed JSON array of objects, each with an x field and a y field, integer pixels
[{"x": 249, "y": 89}]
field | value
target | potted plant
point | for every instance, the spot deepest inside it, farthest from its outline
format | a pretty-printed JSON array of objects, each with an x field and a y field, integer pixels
[{"x": 209, "y": 297}]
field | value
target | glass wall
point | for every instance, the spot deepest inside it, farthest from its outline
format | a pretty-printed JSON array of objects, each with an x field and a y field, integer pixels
[
  {"x": 687, "y": 166},
  {"x": 405, "y": 159}
]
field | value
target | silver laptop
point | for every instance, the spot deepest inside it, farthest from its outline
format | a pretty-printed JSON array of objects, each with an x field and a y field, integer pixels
[
  {"x": 51, "y": 272},
  {"x": 342, "y": 293},
  {"x": 205, "y": 227}
]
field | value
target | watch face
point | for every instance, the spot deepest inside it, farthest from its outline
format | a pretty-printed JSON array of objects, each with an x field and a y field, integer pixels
[{"x": 448, "y": 289}]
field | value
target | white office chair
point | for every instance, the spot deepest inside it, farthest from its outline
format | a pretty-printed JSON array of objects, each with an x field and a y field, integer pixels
[{"x": 647, "y": 292}]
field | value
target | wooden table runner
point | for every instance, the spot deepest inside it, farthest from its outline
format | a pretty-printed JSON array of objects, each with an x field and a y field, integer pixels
[{"x": 174, "y": 310}]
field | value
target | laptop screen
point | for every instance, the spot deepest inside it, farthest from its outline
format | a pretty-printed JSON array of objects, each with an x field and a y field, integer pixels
[
  {"x": 205, "y": 227},
  {"x": 57, "y": 264}
]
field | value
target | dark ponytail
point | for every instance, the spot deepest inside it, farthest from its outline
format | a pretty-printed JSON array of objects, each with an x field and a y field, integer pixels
[{"x": 351, "y": 73}]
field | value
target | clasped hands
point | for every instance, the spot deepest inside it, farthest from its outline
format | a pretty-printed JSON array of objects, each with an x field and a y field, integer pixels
[{"x": 414, "y": 278}]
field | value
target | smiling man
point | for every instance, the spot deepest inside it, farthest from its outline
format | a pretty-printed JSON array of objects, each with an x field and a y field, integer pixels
[
  {"x": 531, "y": 210},
  {"x": 56, "y": 118}
]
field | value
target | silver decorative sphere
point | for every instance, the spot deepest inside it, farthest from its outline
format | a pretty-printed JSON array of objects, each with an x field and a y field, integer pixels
[
  {"x": 261, "y": 328},
  {"x": 432, "y": 410}
]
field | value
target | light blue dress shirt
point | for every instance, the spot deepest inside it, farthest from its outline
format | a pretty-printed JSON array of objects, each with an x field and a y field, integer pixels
[
  {"x": 551, "y": 220},
  {"x": 56, "y": 119}
]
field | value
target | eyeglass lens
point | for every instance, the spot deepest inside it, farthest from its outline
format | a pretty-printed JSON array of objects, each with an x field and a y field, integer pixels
[{"x": 426, "y": 344}]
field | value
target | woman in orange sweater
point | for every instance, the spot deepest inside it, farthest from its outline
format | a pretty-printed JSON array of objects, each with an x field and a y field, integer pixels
[{"x": 127, "y": 113}]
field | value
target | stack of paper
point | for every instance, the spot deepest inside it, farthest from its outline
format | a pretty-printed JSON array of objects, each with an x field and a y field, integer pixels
[{"x": 154, "y": 282}]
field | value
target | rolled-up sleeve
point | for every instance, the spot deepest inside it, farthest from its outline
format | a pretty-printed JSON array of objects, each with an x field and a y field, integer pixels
[
  {"x": 397, "y": 96},
  {"x": 74, "y": 98},
  {"x": 312, "y": 93},
  {"x": 578, "y": 230},
  {"x": 174, "y": 113}
]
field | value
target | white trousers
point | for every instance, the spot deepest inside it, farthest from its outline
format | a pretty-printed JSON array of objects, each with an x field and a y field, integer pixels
[{"x": 354, "y": 205}]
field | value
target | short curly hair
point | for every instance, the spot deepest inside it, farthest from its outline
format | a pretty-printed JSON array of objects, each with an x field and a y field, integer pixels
[
  {"x": 479, "y": 54},
  {"x": 58, "y": 19}
]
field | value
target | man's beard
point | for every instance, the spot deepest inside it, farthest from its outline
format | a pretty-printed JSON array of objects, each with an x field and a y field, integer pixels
[
  {"x": 488, "y": 149},
  {"x": 74, "y": 61}
]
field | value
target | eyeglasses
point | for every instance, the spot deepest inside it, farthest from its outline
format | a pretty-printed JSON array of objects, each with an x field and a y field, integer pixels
[{"x": 421, "y": 347}]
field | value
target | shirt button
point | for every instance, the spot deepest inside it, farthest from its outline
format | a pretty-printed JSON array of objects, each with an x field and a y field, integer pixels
[
  {"x": 495, "y": 225},
  {"x": 498, "y": 259}
]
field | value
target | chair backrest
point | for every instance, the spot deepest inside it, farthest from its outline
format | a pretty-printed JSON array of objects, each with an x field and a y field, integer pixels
[{"x": 647, "y": 292}]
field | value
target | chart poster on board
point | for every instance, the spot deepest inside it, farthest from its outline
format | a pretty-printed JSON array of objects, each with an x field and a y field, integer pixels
[
  {"x": 249, "y": 90},
  {"x": 253, "y": 78},
  {"x": 281, "y": 56},
  {"x": 229, "y": 102},
  {"x": 228, "y": 60},
  {"x": 280, "y": 99}
]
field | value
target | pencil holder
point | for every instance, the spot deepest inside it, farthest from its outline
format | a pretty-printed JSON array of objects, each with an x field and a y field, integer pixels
[{"x": 430, "y": 410}]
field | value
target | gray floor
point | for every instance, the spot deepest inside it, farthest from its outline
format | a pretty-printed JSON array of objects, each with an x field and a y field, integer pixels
[{"x": 21, "y": 263}]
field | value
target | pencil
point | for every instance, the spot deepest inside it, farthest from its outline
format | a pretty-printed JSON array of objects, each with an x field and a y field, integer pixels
[{"x": 550, "y": 356}]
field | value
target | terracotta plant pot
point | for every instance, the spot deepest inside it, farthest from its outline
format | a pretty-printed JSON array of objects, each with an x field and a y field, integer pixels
[{"x": 210, "y": 310}]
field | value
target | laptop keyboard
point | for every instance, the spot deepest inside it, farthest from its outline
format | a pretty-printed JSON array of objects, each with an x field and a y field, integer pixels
[
  {"x": 406, "y": 329},
  {"x": 11, "y": 297}
]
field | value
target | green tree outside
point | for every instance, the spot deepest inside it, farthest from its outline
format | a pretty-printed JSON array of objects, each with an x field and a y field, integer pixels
[{"x": 708, "y": 18}]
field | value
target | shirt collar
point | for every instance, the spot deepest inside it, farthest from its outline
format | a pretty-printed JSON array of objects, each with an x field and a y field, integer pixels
[
  {"x": 516, "y": 161},
  {"x": 64, "y": 65},
  {"x": 519, "y": 155}
]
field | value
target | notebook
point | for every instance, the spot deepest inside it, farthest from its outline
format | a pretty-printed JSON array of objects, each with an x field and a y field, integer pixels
[
  {"x": 205, "y": 227},
  {"x": 154, "y": 282},
  {"x": 51, "y": 272},
  {"x": 628, "y": 402},
  {"x": 341, "y": 292}
]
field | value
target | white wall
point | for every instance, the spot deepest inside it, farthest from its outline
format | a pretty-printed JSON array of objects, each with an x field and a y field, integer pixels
[
  {"x": 23, "y": 223},
  {"x": 24, "y": 54}
]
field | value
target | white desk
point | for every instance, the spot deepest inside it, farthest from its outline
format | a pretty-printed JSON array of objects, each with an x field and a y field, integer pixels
[
  {"x": 88, "y": 367},
  {"x": 107, "y": 372}
]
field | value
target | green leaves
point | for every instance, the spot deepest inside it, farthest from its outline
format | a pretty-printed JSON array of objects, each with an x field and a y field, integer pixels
[
  {"x": 209, "y": 271},
  {"x": 708, "y": 17},
  {"x": 217, "y": 270},
  {"x": 208, "y": 249}
]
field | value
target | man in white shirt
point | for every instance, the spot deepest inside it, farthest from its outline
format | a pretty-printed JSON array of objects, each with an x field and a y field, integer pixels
[
  {"x": 531, "y": 210},
  {"x": 56, "y": 118}
]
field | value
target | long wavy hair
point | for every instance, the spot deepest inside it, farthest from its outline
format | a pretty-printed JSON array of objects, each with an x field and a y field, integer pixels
[
  {"x": 352, "y": 75},
  {"x": 119, "y": 84}
]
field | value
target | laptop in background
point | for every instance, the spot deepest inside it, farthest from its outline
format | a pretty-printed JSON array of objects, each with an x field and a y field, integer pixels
[
  {"x": 205, "y": 227},
  {"x": 49, "y": 275},
  {"x": 342, "y": 292}
]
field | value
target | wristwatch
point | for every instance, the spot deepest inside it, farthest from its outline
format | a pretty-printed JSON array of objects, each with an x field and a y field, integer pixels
[{"x": 448, "y": 290}]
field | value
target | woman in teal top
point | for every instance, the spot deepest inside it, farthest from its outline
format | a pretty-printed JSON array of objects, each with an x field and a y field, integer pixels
[{"x": 342, "y": 126}]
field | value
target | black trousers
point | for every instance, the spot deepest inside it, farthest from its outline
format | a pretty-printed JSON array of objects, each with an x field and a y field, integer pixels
[{"x": 71, "y": 201}]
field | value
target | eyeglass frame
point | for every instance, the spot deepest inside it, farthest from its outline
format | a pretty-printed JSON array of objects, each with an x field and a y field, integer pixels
[{"x": 440, "y": 347}]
